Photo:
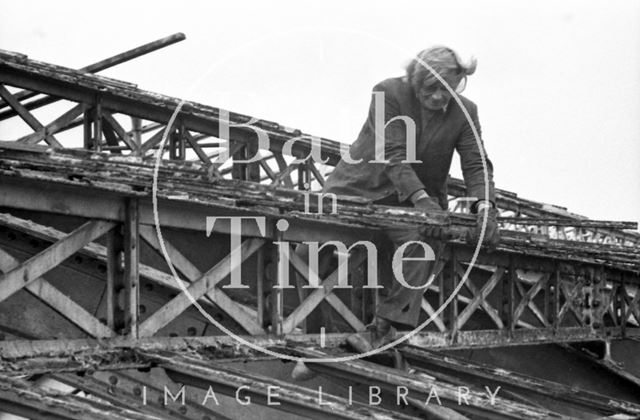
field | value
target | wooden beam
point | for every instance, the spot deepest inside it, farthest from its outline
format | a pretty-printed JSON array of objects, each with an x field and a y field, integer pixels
[
  {"x": 196, "y": 290},
  {"x": 44, "y": 261}
]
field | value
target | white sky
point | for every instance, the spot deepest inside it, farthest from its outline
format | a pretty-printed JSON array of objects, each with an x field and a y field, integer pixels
[{"x": 557, "y": 85}]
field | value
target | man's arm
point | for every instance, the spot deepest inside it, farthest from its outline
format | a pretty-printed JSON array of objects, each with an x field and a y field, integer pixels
[{"x": 471, "y": 162}]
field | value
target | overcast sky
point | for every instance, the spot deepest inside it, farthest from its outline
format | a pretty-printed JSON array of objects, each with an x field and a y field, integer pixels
[{"x": 557, "y": 85}]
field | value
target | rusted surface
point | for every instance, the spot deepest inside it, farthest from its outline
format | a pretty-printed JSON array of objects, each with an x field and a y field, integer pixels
[
  {"x": 48, "y": 78},
  {"x": 295, "y": 399},
  {"x": 17, "y": 363},
  {"x": 94, "y": 68},
  {"x": 24, "y": 399},
  {"x": 436, "y": 362},
  {"x": 188, "y": 184},
  {"x": 420, "y": 386},
  {"x": 136, "y": 390}
]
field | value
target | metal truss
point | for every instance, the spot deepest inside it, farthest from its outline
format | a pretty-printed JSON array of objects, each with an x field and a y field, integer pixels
[{"x": 89, "y": 264}]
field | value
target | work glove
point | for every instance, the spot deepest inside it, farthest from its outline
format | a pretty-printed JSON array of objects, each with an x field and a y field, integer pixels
[{"x": 492, "y": 231}]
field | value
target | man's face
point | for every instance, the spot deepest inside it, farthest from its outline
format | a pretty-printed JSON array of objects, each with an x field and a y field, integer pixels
[{"x": 433, "y": 95}]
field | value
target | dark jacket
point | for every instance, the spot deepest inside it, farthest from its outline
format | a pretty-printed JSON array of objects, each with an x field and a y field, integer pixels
[{"x": 437, "y": 135}]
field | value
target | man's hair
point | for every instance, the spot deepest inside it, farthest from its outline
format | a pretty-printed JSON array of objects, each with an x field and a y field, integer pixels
[{"x": 444, "y": 60}]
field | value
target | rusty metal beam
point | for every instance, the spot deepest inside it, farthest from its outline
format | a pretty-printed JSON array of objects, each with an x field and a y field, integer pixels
[
  {"x": 261, "y": 389},
  {"x": 135, "y": 390},
  {"x": 115, "y": 176},
  {"x": 27, "y": 400},
  {"x": 95, "y": 68},
  {"x": 155, "y": 108},
  {"x": 420, "y": 386},
  {"x": 59, "y": 301},
  {"x": 435, "y": 362},
  {"x": 19, "y": 358},
  {"x": 245, "y": 316},
  {"x": 197, "y": 289},
  {"x": 30, "y": 270},
  {"x": 26, "y": 116}
]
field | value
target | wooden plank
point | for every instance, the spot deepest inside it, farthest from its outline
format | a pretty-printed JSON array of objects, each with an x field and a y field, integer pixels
[
  {"x": 59, "y": 301},
  {"x": 318, "y": 295},
  {"x": 44, "y": 261},
  {"x": 196, "y": 289},
  {"x": 241, "y": 314},
  {"x": 26, "y": 115},
  {"x": 55, "y": 126}
]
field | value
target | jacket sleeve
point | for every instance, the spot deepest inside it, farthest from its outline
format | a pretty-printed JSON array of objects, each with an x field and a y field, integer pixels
[
  {"x": 471, "y": 160},
  {"x": 396, "y": 128}
]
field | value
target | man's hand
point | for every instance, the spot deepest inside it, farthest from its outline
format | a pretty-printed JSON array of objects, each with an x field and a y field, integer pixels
[
  {"x": 422, "y": 201},
  {"x": 492, "y": 233}
]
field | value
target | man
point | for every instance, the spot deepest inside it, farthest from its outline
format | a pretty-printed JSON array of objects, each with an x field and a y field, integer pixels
[{"x": 440, "y": 127}]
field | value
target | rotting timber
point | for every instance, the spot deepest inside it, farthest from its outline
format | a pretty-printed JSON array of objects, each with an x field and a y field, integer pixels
[{"x": 87, "y": 300}]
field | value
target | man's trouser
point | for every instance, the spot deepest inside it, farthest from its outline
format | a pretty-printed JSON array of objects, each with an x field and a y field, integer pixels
[{"x": 397, "y": 303}]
